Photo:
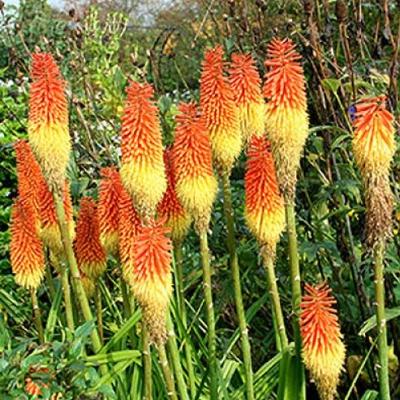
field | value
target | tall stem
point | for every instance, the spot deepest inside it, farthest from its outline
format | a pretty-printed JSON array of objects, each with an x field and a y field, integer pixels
[
  {"x": 169, "y": 379},
  {"x": 295, "y": 279},
  {"x": 176, "y": 361},
  {"x": 212, "y": 347},
  {"x": 50, "y": 283},
  {"x": 148, "y": 379},
  {"x": 275, "y": 299},
  {"x": 383, "y": 371},
  {"x": 128, "y": 311},
  {"x": 63, "y": 272},
  {"x": 76, "y": 279},
  {"x": 230, "y": 224},
  {"x": 37, "y": 315},
  {"x": 67, "y": 300},
  {"x": 183, "y": 315},
  {"x": 99, "y": 312}
]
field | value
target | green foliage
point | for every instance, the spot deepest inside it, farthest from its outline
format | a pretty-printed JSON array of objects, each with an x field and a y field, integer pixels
[{"x": 98, "y": 56}]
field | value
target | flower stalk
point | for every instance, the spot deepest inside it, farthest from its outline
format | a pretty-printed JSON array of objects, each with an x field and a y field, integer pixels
[
  {"x": 234, "y": 263},
  {"x": 178, "y": 258},
  {"x": 77, "y": 283},
  {"x": 37, "y": 315},
  {"x": 383, "y": 370},
  {"x": 212, "y": 339},
  {"x": 169, "y": 378}
]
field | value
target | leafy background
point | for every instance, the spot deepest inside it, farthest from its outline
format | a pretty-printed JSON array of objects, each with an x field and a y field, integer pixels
[{"x": 350, "y": 49}]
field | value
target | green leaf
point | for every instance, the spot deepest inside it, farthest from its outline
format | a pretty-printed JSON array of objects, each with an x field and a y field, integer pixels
[
  {"x": 52, "y": 318},
  {"x": 291, "y": 376},
  {"x": 116, "y": 356},
  {"x": 370, "y": 395},
  {"x": 331, "y": 84},
  {"x": 123, "y": 332},
  {"x": 370, "y": 323}
]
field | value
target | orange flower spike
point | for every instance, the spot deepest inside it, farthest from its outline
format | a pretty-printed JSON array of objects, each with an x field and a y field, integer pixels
[
  {"x": 128, "y": 227},
  {"x": 109, "y": 194},
  {"x": 219, "y": 110},
  {"x": 373, "y": 143},
  {"x": 286, "y": 117},
  {"x": 196, "y": 185},
  {"x": 151, "y": 280},
  {"x": 142, "y": 171},
  {"x": 264, "y": 206},
  {"x": 50, "y": 231},
  {"x": 170, "y": 208},
  {"x": 323, "y": 349},
  {"x": 30, "y": 177},
  {"x": 246, "y": 87},
  {"x": 48, "y": 119},
  {"x": 90, "y": 255},
  {"x": 26, "y": 250}
]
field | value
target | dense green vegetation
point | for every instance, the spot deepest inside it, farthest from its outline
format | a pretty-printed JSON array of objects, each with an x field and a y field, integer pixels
[{"x": 349, "y": 49}]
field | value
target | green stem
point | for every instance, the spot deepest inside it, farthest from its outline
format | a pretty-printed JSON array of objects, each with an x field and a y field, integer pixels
[
  {"x": 383, "y": 370},
  {"x": 126, "y": 298},
  {"x": 275, "y": 299},
  {"x": 67, "y": 300},
  {"x": 169, "y": 379},
  {"x": 212, "y": 347},
  {"x": 148, "y": 379},
  {"x": 230, "y": 224},
  {"x": 183, "y": 315},
  {"x": 50, "y": 283},
  {"x": 176, "y": 361},
  {"x": 99, "y": 312},
  {"x": 37, "y": 315},
  {"x": 295, "y": 279},
  {"x": 76, "y": 279}
]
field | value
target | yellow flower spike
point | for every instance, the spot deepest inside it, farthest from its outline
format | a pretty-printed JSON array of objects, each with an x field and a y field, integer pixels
[
  {"x": 128, "y": 227},
  {"x": 151, "y": 280},
  {"x": 50, "y": 231},
  {"x": 374, "y": 147},
  {"x": 373, "y": 143},
  {"x": 246, "y": 87},
  {"x": 109, "y": 195},
  {"x": 26, "y": 250},
  {"x": 48, "y": 119},
  {"x": 142, "y": 170},
  {"x": 264, "y": 206},
  {"x": 90, "y": 255},
  {"x": 286, "y": 117},
  {"x": 323, "y": 349},
  {"x": 170, "y": 208},
  {"x": 219, "y": 110},
  {"x": 196, "y": 185}
]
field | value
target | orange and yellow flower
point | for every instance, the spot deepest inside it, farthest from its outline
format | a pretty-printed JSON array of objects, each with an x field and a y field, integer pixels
[
  {"x": 286, "y": 117},
  {"x": 128, "y": 227},
  {"x": 142, "y": 170},
  {"x": 26, "y": 250},
  {"x": 323, "y": 349},
  {"x": 30, "y": 178},
  {"x": 48, "y": 119},
  {"x": 264, "y": 206},
  {"x": 196, "y": 185},
  {"x": 151, "y": 280},
  {"x": 246, "y": 87},
  {"x": 374, "y": 147},
  {"x": 170, "y": 209},
  {"x": 373, "y": 143},
  {"x": 90, "y": 255},
  {"x": 109, "y": 194},
  {"x": 219, "y": 110},
  {"x": 50, "y": 231}
]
